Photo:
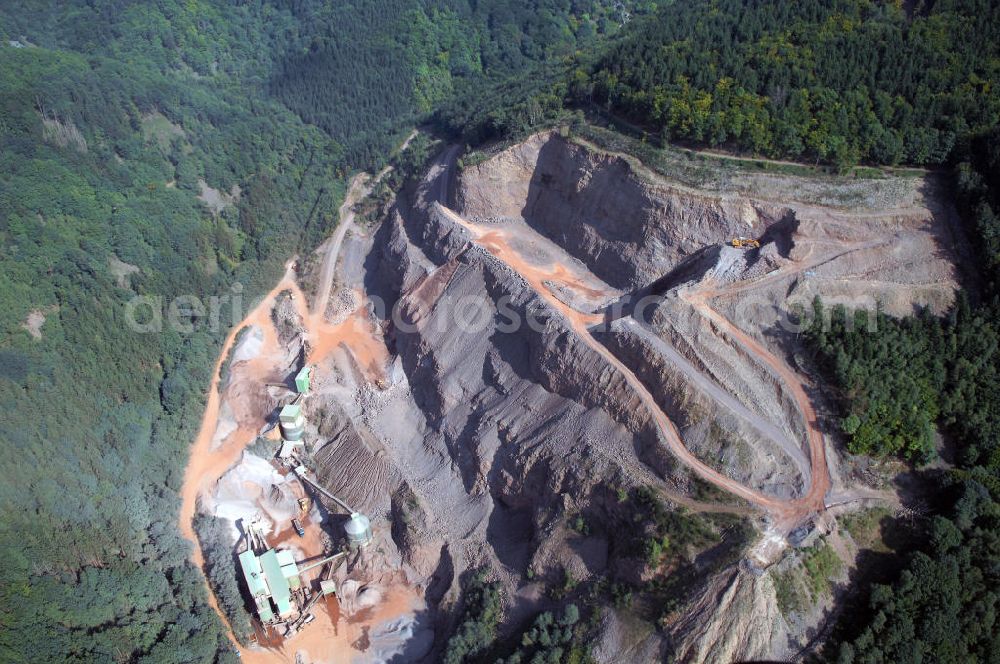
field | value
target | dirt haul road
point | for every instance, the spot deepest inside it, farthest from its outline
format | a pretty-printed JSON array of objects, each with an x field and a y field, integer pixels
[
  {"x": 206, "y": 464},
  {"x": 795, "y": 511},
  {"x": 331, "y": 248},
  {"x": 786, "y": 514},
  {"x": 763, "y": 425},
  {"x": 360, "y": 187}
]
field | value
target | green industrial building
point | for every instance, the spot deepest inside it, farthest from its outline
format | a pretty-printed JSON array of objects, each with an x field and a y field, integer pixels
[
  {"x": 270, "y": 578},
  {"x": 290, "y": 413},
  {"x": 302, "y": 380}
]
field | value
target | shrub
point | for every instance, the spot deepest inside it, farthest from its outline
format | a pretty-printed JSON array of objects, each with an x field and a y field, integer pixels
[{"x": 477, "y": 630}]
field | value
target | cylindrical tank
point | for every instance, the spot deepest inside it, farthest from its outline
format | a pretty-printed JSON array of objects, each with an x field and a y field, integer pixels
[
  {"x": 358, "y": 529},
  {"x": 293, "y": 423},
  {"x": 293, "y": 432}
]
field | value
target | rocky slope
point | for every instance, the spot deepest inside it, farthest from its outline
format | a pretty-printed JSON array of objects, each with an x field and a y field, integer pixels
[
  {"x": 492, "y": 426},
  {"x": 593, "y": 204}
]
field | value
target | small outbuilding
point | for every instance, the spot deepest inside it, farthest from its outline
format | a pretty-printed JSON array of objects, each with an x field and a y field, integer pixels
[{"x": 302, "y": 380}]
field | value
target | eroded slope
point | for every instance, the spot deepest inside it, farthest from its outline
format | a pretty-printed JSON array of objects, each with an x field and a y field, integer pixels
[{"x": 534, "y": 341}]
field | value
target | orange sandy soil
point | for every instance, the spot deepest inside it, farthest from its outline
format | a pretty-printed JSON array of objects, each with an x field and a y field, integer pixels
[
  {"x": 208, "y": 463},
  {"x": 334, "y": 639},
  {"x": 356, "y": 334},
  {"x": 495, "y": 241}
]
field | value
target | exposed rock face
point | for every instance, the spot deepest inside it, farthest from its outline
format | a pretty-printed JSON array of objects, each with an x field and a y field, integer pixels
[
  {"x": 511, "y": 411},
  {"x": 632, "y": 228},
  {"x": 719, "y": 428},
  {"x": 487, "y": 435},
  {"x": 735, "y": 619},
  {"x": 627, "y": 231}
]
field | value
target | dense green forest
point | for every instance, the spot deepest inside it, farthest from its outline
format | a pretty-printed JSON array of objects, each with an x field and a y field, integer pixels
[
  {"x": 111, "y": 123},
  {"x": 900, "y": 381},
  {"x": 912, "y": 374},
  {"x": 832, "y": 80},
  {"x": 943, "y": 605},
  {"x": 417, "y": 56},
  {"x": 899, "y": 384}
]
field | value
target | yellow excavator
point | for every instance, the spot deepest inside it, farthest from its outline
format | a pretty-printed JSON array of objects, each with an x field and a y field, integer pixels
[{"x": 745, "y": 243}]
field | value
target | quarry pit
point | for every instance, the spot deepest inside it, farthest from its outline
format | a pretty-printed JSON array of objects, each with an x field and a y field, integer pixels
[{"x": 514, "y": 343}]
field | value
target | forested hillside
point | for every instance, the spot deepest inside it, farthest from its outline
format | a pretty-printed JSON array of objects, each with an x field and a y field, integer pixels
[
  {"x": 112, "y": 123},
  {"x": 907, "y": 376},
  {"x": 833, "y": 80},
  {"x": 897, "y": 386},
  {"x": 167, "y": 149},
  {"x": 842, "y": 82},
  {"x": 943, "y": 605},
  {"x": 407, "y": 57},
  {"x": 837, "y": 82},
  {"x": 191, "y": 147}
]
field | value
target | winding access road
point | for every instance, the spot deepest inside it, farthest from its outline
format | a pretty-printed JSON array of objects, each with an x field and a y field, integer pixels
[
  {"x": 786, "y": 514},
  {"x": 331, "y": 248}
]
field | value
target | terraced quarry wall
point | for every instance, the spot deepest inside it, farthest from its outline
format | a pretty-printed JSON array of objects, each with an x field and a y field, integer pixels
[{"x": 646, "y": 352}]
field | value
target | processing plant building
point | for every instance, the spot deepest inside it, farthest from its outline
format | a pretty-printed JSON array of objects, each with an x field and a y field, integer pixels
[{"x": 270, "y": 578}]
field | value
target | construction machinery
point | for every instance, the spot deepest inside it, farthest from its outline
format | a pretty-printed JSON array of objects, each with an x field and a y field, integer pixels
[
  {"x": 745, "y": 243},
  {"x": 255, "y": 530},
  {"x": 308, "y": 600}
]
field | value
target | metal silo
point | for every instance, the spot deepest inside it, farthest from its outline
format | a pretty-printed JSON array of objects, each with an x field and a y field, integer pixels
[
  {"x": 358, "y": 530},
  {"x": 293, "y": 423}
]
